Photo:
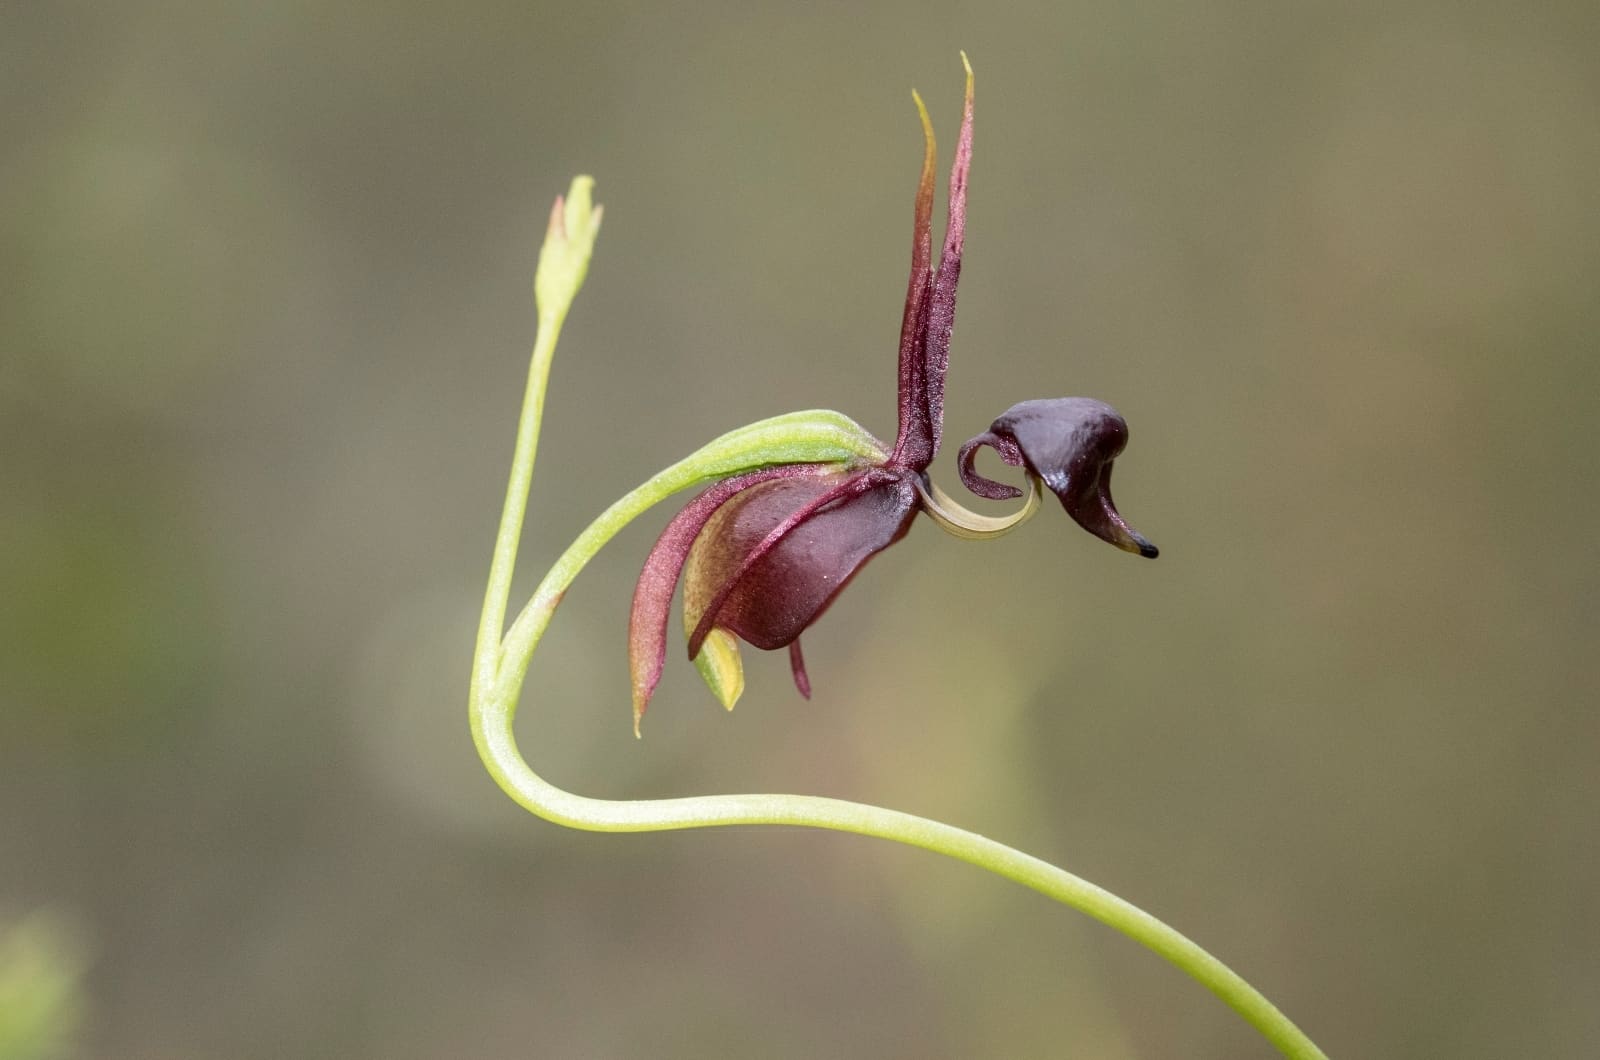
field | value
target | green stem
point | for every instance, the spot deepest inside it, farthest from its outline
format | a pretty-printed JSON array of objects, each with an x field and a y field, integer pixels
[
  {"x": 500, "y": 668},
  {"x": 488, "y": 654}
]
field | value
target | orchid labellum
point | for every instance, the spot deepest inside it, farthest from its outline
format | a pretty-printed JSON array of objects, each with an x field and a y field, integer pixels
[{"x": 763, "y": 553}]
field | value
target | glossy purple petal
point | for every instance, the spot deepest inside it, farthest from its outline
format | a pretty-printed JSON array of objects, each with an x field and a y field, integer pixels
[
  {"x": 1069, "y": 443},
  {"x": 770, "y": 561},
  {"x": 652, "y": 596}
]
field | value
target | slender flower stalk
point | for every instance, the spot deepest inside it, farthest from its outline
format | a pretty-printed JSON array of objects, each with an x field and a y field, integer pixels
[{"x": 749, "y": 578}]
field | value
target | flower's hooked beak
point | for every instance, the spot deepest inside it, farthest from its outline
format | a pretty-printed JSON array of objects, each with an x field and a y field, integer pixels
[{"x": 1068, "y": 444}]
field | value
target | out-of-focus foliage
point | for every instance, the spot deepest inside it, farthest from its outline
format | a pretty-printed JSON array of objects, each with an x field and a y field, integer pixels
[
  {"x": 264, "y": 310},
  {"x": 41, "y": 1001}
]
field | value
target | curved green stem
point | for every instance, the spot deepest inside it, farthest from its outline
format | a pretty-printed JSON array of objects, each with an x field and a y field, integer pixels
[{"x": 499, "y": 670}]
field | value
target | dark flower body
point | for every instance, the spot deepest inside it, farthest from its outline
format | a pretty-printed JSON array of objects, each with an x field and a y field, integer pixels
[
  {"x": 762, "y": 554},
  {"x": 774, "y": 556}
]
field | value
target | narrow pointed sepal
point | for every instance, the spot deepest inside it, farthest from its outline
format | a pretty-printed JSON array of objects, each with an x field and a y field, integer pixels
[
  {"x": 942, "y": 305},
  {"x": 914, "y": 436},
  {"x": 930, "y": 309}
]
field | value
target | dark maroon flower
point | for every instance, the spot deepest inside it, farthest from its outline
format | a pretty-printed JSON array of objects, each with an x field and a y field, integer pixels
[
  {"x": 1068, "y": 445},
  {"x": 762, "y": 554}
]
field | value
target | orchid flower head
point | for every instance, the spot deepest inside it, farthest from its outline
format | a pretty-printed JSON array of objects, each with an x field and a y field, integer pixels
[{"x": 764, "y": 552}]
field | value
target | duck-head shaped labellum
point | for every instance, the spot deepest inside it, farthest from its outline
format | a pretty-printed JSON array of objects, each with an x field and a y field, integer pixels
[
  {"x": 1068, "y": 444},
  {"x": 762, "y": 554}
]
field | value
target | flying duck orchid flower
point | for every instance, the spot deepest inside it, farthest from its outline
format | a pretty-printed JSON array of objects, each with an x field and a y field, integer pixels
[
  {"x": 762, "y": 553},
  {"x": 791, "y": 509}
]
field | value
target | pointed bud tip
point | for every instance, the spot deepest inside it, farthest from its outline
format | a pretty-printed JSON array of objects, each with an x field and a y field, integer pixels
[
  {"x": 567, "y": 248},
  {"x": 927, "y": 122},
  {"x": 582, "y": 213},
  {"x": 720, "y": 666}
]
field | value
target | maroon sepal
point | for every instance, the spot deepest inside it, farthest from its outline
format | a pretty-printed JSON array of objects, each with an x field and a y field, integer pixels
[
  {"x": 772, "y": 559},
  {"x": 652, "y": 596}
]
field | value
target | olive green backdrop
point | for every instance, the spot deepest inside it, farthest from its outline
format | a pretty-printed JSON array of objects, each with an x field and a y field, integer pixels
[{"x": 265, "y": 280}]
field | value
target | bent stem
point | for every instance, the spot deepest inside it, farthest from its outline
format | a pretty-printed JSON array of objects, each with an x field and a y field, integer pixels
[{"x": 500, "y": 667}]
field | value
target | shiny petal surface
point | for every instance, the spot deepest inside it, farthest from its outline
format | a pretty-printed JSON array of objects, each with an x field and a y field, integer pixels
[
  {"x": 770, "y": 560},
  {"x": 1069, "y": 443}
]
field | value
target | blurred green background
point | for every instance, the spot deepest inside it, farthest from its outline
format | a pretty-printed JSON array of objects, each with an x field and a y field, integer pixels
[{"x": 264, "y": 310}]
